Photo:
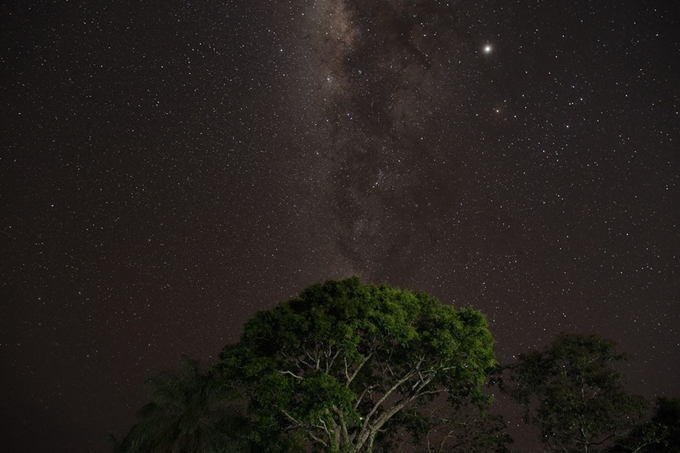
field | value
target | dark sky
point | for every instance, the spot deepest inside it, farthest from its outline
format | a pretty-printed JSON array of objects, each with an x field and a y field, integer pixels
[{"x": 170, "y": 167}]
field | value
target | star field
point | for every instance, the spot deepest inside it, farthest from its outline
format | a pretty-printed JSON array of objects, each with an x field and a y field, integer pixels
[{"x": 169, "y": 168}]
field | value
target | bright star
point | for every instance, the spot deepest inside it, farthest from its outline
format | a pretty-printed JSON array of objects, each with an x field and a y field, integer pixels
[{"x": 488, "y": 48}]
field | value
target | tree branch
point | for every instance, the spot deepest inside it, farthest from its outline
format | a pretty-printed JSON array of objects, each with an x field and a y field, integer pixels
[
  {"x": 289, "y": 372},
  {"x": 387, "y": 394},
  {"x": 356, "y": 371}
]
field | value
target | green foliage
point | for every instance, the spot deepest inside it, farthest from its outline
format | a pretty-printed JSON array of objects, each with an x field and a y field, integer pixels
[
  {"x": 341, "y": 360},
  {"x": 661, "y": 434},
  {"x": 444, "y": 428},
  {"x": 185, "y": 416},
  {"x": 572, "y": 392}
]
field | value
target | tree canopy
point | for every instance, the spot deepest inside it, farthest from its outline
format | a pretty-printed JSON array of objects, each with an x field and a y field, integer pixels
[
  {"x": 573, "y": 393},
  {"x": 351, "y": 368},
  {"x": 185, "y": 415},
  {"x": 661, "y": 434},
  {"x": 336, "y": 365}
]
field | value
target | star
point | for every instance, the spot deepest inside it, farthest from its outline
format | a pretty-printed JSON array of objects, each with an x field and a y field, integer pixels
[{"x": 194, "y": 180}]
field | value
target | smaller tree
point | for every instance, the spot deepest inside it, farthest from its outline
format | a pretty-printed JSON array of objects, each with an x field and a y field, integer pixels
[
  {"x": 661, "y": 434},
  {"x": 185, "y": 415},
  {"x": 667, "y": 418},
  {"x": 572, "y": 393}
]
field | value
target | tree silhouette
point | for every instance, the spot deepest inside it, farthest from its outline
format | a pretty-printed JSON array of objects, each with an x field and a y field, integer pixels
[
  {"x": 571, "y": 391},
  {"x": 185, "y": 415},
  {"x": 661, "y": 434}
]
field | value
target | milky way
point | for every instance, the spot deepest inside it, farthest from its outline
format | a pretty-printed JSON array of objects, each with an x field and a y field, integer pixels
[
  {"x": 389, "y": 91},
  {"x": 169, "y": 168}
]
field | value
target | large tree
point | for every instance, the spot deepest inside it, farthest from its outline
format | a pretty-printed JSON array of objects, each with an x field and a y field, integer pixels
[
  {"x": 573, "y": 393},
  {"x": 337, "y": 365}
]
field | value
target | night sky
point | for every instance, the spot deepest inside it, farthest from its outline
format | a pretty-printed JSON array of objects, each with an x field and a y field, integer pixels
[{"x": 170, "y": 167}]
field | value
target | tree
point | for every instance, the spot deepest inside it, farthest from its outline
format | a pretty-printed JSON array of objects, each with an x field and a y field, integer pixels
[
  {"x": 661, "y": 434},
  {"x": 667, "y": 419},
  {"x": 442, "y": 428},
  {"x": 571, "y": 391},
  {"x": 185, "y": 415},
  {"x": 336, "y": 365}
]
